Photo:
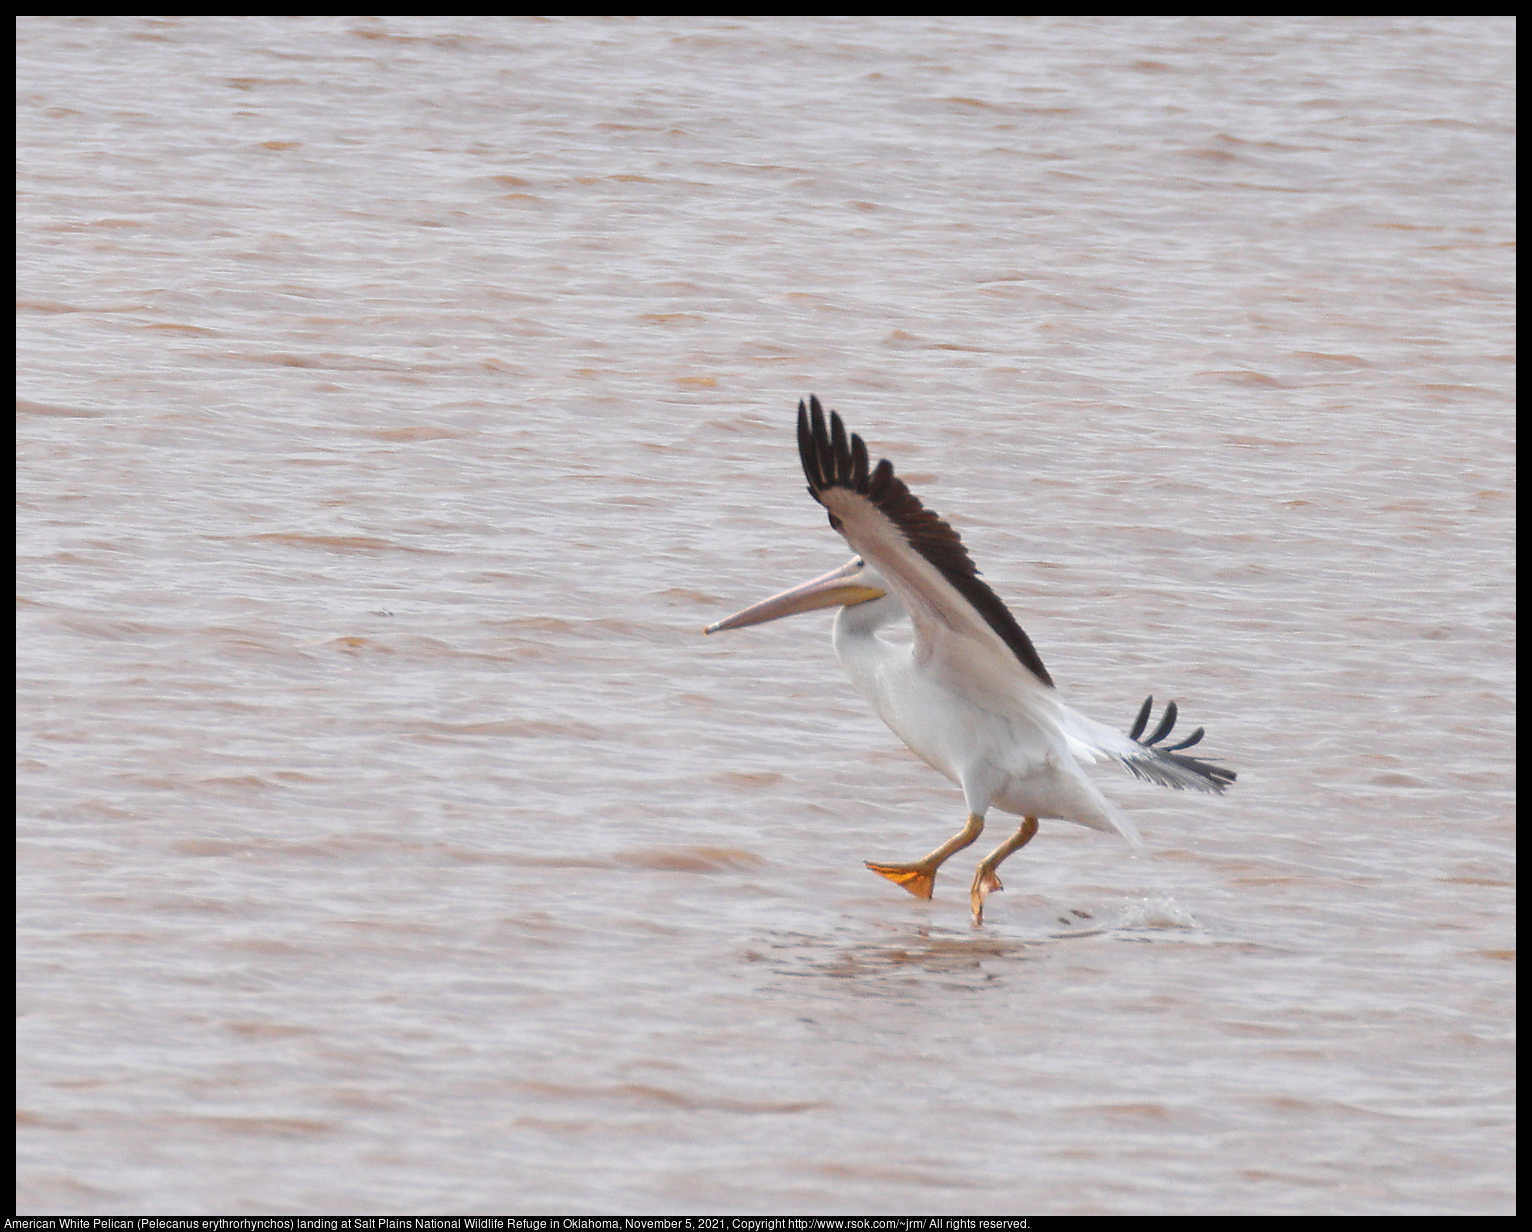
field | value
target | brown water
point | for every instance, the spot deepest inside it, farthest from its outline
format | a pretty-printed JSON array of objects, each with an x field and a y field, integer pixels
[{"x": 400, "y": 398}]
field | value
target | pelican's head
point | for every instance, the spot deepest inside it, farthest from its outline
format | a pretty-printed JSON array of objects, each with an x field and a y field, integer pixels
[{"x": 854, "y": 582}]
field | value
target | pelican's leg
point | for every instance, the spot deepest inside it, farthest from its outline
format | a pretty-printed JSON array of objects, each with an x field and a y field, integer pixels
[
  {"x": 985, "y": 879},
  {"x": 919, "y": 878}
]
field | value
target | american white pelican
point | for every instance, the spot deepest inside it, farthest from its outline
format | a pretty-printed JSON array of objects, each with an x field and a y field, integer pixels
[{"x": 970, "y": 697}]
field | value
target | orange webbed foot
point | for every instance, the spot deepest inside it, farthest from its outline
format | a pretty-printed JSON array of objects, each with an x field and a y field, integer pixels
[
  {"x": 985, "y": 883},
  {"x": 918, "y": 879}
]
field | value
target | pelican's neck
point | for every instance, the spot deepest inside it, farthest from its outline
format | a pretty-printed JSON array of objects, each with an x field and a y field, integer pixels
[
  {"x": 861, "y": 651},
  {"x": 862, "y": 620},
  {"x": 872, "y": 662}
]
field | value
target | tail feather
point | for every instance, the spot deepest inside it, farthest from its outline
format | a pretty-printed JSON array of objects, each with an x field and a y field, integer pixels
[{"x": 1165, "y": 765}]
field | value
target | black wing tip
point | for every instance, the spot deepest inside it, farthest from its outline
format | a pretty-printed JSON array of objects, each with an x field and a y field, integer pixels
[
  {"x": 833, "y": 457},
  {"x": 808, "y": 454},
  {"x": 1210, "y": 777}
]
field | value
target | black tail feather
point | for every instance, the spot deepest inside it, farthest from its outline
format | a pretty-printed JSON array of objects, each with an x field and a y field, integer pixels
[
  {"x": 1166, "y": 765},
  {"x": 1167, "y": 721},
  {"x": 1143, "y": 717},
  {"x": 1187, "y": 743}
]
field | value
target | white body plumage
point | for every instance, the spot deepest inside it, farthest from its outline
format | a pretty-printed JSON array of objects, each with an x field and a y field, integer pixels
[{"x": 1005, "y": 751}]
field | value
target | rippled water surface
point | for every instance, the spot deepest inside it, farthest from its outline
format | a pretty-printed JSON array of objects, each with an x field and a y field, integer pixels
[{"x": 399, "y": 398}]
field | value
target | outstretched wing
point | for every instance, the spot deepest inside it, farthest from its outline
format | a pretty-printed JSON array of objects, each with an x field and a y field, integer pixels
[{"x": 955, "y": 614}]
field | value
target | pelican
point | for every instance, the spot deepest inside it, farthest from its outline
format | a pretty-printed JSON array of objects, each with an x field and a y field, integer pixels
[{"x": 970, "y": 696}]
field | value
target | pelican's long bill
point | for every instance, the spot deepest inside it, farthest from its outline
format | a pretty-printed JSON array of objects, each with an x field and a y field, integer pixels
[{"x": 840, "y": 587}]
